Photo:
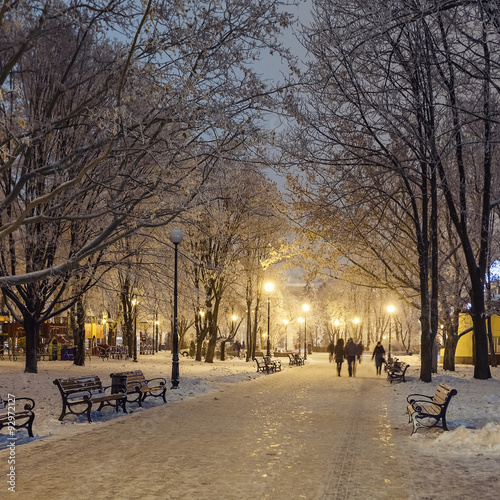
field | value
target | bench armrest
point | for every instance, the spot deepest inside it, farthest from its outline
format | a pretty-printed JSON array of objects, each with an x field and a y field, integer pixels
[
  {"x": 410, "y": 398},
  {"x": 27, "y": 406},
  {"x": 161, "y": 379}
]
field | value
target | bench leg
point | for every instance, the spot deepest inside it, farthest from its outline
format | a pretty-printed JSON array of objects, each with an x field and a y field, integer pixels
[
  {"x": 29, "y": 425},
  {"x": 63, "y": 411},
  {"x": 87, "y": 411}
]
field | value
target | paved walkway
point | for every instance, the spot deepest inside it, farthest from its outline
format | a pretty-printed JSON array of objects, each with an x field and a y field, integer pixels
[{"x": 300, "y": 434}]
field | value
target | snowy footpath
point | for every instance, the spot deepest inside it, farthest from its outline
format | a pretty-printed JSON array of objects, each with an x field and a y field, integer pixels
[{"x": 230, "y": 433}]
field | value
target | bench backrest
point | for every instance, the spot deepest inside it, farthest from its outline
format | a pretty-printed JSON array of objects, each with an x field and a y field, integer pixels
[
  {"x": 135, "y": 379},
  {"x": 443, "y": 394},
  {"x": 76, "y": 387}
]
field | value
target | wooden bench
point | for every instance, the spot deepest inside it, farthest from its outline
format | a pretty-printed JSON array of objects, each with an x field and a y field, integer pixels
[
  {"x": 274, "y": 364},
  {"x": 397, "y": 372},
  {"x": 262, "y": 366},
  {"x": 299, "y": 359},
  {"x": 137, "y": 387},
  {"x": 78, "y": 392},
  {"x": 291, "y": 359},
  {"x": 422, "y": 408},
  {"x": 13, "y": 417},
  {"x": 103, "y": 352}
]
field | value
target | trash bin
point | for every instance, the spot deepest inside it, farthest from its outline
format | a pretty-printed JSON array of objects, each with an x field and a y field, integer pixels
[{"x": 118, "y": 383}]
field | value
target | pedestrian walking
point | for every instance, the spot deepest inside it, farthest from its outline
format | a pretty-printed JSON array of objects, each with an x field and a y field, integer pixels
[
  {"x": 351, "y": 350},
  {"x": 379, "y": 355},
  {"x": 359, "y": 351},
  {"x": 237, "y": 346},
  {"x": 339, "y": 355},
  {"x": 331, "y": 351}
]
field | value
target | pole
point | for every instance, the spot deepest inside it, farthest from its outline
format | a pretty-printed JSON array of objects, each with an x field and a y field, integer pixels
[
  {"x": 390, "y": 321},
  {"x": 135, "y": 332},
  {"x": 305, "y": 335},
  {"x": 268, "y": 324},
  {"x": 156, "y": 325},
  {"x": 175, "y": 338}
]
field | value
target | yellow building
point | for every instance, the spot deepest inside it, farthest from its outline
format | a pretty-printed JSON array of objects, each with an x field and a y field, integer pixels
[{"x": 463, "y": 354}]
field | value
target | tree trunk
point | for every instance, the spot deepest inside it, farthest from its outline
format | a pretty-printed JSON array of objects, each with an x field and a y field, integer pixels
[
  {"x": 450, "y": 347},
  {"x": 426, "y": 349},
  {"x": 493, "y": 358},
  {"x": 481, "y": 364},
  {"x": 32, "y": 340},
  {"x": 79, "y": 333},
  {"x": 223, "y": 350}
]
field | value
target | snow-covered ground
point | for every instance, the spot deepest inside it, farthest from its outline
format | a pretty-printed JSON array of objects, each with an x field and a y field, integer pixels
[{"x": 473, "y": 415}]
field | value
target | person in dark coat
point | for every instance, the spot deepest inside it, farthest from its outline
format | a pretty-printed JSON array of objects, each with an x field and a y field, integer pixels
[
  {"x": 339, "y": 355},
  {"x": 351, "y": 350},
  {"x": 359, "y": 351},
  {"x": 331, "y": 350},
  {"x": 379, "y": 355}
]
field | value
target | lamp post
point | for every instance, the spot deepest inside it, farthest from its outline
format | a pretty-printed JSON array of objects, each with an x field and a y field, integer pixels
[
  {"x": 305, "y": 308},
  {"x": 336, "y": 333},
  {"x": 390, "y": 310},
  {"x": 356, "y": 330},
  {"x": 233, "y": 319},
  {"x": 134, "y": 303},
  {"x": 300, "y": 320},
  {"x": 176, "y": 236},
  {"x": 269, "y": 287},
  {"x": 104, "y": 329},
  {"x": 285, "y": 322}
]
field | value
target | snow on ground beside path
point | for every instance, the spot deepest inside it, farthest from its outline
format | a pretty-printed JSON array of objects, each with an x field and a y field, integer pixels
[{"x": 473, "y": 415}]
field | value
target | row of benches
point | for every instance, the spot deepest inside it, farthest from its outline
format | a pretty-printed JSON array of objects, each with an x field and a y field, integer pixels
[
  {"x": 79, "y": 394},
  {"x": 272, "y": 365}
]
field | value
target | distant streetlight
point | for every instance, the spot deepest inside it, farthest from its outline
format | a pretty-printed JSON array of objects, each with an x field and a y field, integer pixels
[
  {"x": 269, "y": 287},
  {"x": 285, "y": 322},
  {"x": 305, "y": 308},
  {"x": 300, "y": 320},
  {"x": 390, "y": 310},
  {"x": 104, "y": 328},
  {"x": 356, "y": 323},
  {"x": 134, "y": 304},
  {"x": 157, "y": 328},
  {"x": 176, "y": 236}
]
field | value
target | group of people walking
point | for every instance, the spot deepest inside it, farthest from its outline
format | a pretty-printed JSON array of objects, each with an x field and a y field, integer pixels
[{"x": 353, "y": 352}]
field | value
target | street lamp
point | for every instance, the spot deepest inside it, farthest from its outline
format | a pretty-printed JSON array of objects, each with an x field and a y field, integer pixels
[
  {"x": 104, "y": 329},
  {"x": 176, "y": 236},
  {"x": 268, "y": 287},
  {"x": 285, "y": 321},
  {"x": 134, "y": 303},
  {"x": 390, "y": 310},
  {"x": 305, "y": 308},
  {"x": 157, "y": 328},
  {"x": 356, "y": 323},
  {"x": 300, "y": 320}
]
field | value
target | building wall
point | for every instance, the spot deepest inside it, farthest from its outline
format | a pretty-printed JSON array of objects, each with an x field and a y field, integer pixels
[{"x": 463, "y": 354}]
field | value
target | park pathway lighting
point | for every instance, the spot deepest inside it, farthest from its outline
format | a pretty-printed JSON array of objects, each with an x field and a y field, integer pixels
[
  {"x": 268, "y": 287},
  {"x": 390, "y": 310},
  {"x": 176, "y": 236},
  {"x": 285, "y": 322},
  {"x": 356, "y": 328},
  {"x": 300, "y": 320},
  {"x": 134, "y": 304},
  {"x": 305, "y": 308}
]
